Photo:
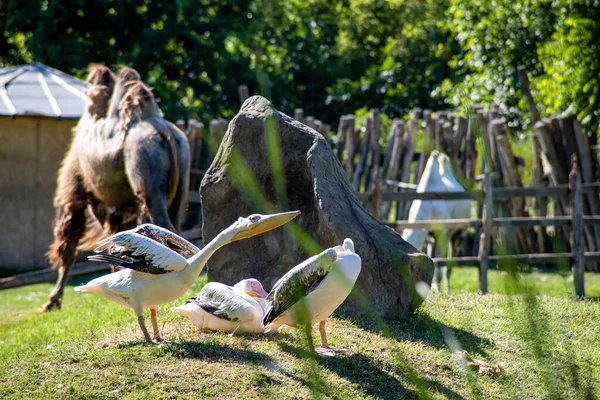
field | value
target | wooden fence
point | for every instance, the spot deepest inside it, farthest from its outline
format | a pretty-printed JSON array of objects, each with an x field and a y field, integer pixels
[{"x": 574, "y": 191}]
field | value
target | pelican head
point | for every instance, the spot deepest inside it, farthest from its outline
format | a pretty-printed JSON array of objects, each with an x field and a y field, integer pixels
[
  {"x": 251, "y": 287},
  {"x": 256, "y": 224}
]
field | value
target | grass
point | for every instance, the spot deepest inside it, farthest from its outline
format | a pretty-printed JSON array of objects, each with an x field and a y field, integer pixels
[{"x": 94, "y": 349}]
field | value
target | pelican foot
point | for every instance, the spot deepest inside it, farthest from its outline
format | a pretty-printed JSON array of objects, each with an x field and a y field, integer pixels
[
  {"x": 329, "y": 351},
  {"x": 52, "y": 304},
  {"x": 160, "y": 341}
]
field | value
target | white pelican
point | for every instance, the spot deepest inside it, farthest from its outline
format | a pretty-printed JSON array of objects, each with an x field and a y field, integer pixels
[
  {"x": 311, "y": 291},
  {"x": 155, "y": 274},
  {"x": 219, "y": 307}
]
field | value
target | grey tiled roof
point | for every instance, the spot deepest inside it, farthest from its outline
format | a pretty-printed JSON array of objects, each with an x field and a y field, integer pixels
[{"x": 37, "y": 89}]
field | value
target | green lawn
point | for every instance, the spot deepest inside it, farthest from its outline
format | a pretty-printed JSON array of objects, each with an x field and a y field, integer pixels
[{"x": 548, "y": 343}]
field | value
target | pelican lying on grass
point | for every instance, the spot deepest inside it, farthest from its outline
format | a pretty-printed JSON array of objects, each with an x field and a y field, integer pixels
[
  {"x": 311, "y": 291},
  {"x": 155, "y": 274},
  {"x": 219, "y": 307}
]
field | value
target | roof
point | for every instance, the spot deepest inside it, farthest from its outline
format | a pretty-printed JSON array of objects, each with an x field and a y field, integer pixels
[{"x": 37, "y": 89}]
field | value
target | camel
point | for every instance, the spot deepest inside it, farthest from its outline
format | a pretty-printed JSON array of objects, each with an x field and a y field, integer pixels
[
  {"x": 125, "y": 162},
  {"x": 438, "y": 176}
]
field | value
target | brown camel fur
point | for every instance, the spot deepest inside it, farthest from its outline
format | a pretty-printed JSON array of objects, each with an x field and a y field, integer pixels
[{"x": 126, "y": 161}]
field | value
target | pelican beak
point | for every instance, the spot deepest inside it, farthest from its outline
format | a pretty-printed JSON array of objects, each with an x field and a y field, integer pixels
[
  {"x": 259, "y": 293},
  {"x": 266, "y": 223}
]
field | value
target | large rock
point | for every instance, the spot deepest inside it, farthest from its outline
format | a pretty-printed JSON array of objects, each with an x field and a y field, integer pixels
[{"x": 318, "y": 187}]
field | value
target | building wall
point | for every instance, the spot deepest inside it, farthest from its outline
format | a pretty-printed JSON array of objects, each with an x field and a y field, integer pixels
[{"x": 31, "y": 150}]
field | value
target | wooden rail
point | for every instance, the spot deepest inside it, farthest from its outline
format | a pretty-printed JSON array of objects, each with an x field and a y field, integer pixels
[
  {"x": 519, "y": 258},
  {"x": 576, "y": 222},
  {"x": 508, "y": 221},
  {"x": 479, "y": 195}
]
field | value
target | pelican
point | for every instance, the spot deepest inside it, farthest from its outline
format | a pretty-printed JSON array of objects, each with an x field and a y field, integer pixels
[
  {"x": 219, "y": 307},
  {"x": 155, "y": 273},
  {"x": 312, "y": 290}
]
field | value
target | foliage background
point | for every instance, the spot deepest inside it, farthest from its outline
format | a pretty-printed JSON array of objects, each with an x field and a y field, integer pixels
[{"x": 329, "y": 57}]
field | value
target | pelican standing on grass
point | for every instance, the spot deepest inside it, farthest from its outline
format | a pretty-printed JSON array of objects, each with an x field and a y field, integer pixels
[
  {"x": 312, "y": 290},
  {"x": 219, "y": 307},
  {"x": 155, "y": 273}
]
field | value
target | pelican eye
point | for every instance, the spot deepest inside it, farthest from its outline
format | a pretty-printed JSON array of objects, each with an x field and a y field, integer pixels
[{"x": 254, "y": 218}]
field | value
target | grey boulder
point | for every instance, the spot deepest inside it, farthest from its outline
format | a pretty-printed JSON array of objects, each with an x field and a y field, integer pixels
[{"x": 313, "y": 181}]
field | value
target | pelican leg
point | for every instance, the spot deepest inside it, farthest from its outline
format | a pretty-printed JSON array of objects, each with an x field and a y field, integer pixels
[
  {"x": 157, "y": 337},
  {"x": 437, "y": 273},
  {"x": 446, "y": 269},
  {"x": 142, "y": 323},
  {"x": 324, "y": 349}
]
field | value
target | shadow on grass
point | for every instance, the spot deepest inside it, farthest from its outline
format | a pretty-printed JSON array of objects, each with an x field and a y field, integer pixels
[
  {"x": 361, "y": 370},
  {"x": 422, "y": 328},
  {"x": 202, "y": 350}
]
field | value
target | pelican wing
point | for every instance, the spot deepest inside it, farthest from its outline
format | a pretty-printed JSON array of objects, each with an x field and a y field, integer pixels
[
  {"x": 297, "y": 283},
  {"x": 167, "y": 238},
  {"x": 224, "y": 302},
  {"x": 134, "y": 251}
]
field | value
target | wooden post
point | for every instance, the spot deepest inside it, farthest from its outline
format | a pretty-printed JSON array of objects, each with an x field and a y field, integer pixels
[
  {"x": 408, "y": 151},
  {"x": 196, "y": 131},
  {"x": 340, "y": 139},
  {"x": 362, "y": 160},
  {"x": 577, "y": 245},
  {"x": 486, "y": 235},
  {"x": 568, "y": 136},
  {"x": 244, "y": 93},
  {"x": 470, "y": 149},
  {"x": 558, "y": 175},
  {"x": 393, "y": 137},
  {"x": 511, "y": 178},
  {"x": 326, "y": 131},
  {"x": 310, "y": 121},
  {"x": 428, "y": 143},
  {"x": 374, "y": 154},
  {"x": 448, "y": 142},
  {"x": 461, "y": 132},
  {"x": 374, "y": 187},
  {"x": 438, "y": 135},
  {"x": 494, "y": 111},
  {"x": 216, "y": 130},
  {"x": 180, "y": 124},
  {"x": 351, "y": 143},
  {"x": 397, "y": 138},
  {"x": 299, "y": 114},
  {"x": 524, "y": 80}
]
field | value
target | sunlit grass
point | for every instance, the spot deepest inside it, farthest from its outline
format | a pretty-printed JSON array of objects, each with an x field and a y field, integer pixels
[{"x": 93, "y": 348}]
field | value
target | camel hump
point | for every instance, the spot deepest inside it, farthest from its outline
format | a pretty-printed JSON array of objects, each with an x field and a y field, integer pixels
[
  {"x": 100, "y": 74},
  {"x": 137, "y": 103},
  {"x": 127, "y": 74}
]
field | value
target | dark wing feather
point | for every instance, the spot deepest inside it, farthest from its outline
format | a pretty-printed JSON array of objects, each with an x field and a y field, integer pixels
[
  {"x": 223, "y": 301},
  {"x": 168, "y": 239},
  {"x": 204, "y": 304},
  {"x": 297, "y": 283},
  {"x": 134, "y": 251},
  {"x": 125, "y": 261}
]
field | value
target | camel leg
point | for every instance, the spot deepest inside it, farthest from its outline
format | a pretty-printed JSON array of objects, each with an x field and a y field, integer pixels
[
  {"x": 69, "y": 229},
  {"x": 157, "y": 337}
]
